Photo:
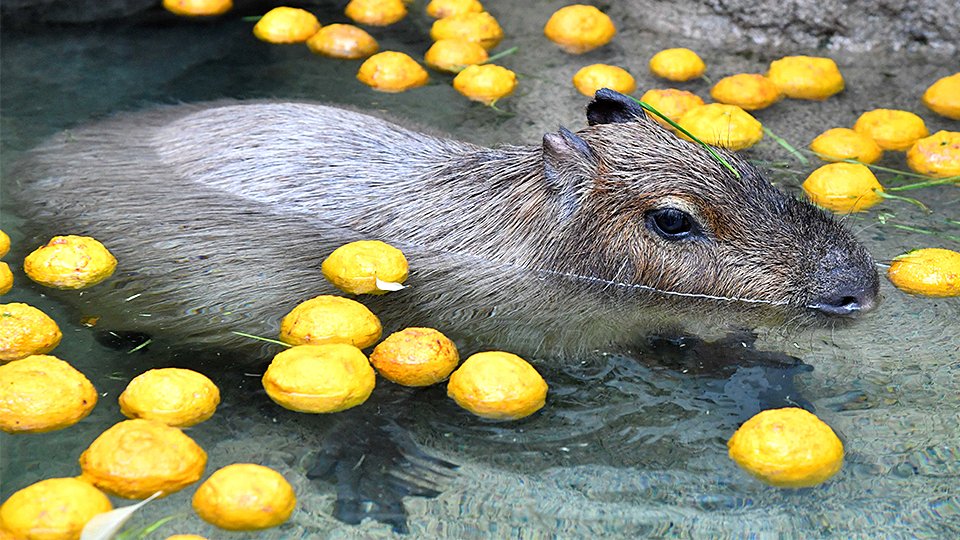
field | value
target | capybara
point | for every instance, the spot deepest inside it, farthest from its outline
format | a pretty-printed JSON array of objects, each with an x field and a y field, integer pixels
[{"x": 220, "y": 215}]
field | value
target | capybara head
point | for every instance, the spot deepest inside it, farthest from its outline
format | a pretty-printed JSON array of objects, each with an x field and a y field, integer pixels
[{"x": 657, "y": 211}]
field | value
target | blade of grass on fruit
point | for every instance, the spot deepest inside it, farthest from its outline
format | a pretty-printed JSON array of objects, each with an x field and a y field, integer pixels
[{"x": 647, "y": 107}]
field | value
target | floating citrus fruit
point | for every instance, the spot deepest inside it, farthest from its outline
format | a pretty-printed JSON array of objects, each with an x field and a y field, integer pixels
[
  {"x": 452, "y": 55},
  {"x": 749, "y": 91},
  {"x": 319, "y": 378},
  {"x": 343, "y": 41},
  {"x": 6, "y": 278},
  {"x": 244, "y": 497},
  {"x": 579, "y": 28},
  {"x": 787, "y": 448},
  {"x": 498, "y": 385},
  {"x": 671, "y": 102},
  {"x": 806, "y": 77},
  {"x": 727, "y": 126},
  {"x": 838, "y": 144},
  {"x": 892, "y": 129},
  {"x": 485, "y": 83},
  {"x": 70, "y": 262},
  {"x": 480, "y": 28},
  {"x": 43, "y": 393},
  {"x": 330, "y": 319},
  {"x": 591, "y": 78},
  {"x": 24, "y": 331},
  {"x": 286, "y": 25},
  {"x": 843, "y": 187},
  {"x": 943, "y": 96},
  {"x": 197, "y": 8},
  {"x": 678, "y": 64},
  {"x": 174, "y": 396},
  {"x": 929, "y": 272},
  {"x": 937, "y": 155},
  {"x": 376, "y": 12},
  {"x": 415, "y": 357},
  {"x": 52, "y": 509},
  {"x": 439, "y": 9},
  {"x": 366, "y": 267},
  {"x": 392, "y": 72},
  {"x": 4, "y": 243},
  {"x": 137, "y": 458}
]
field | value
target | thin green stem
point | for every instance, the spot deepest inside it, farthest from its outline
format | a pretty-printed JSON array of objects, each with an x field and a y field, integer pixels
[
  {"x": 914, "y": 202},
  {"x": 928, "y": 183},
  {"x": 501, "y": 54},
  {"x": 923, "y": 231},
  {"x": 789, "y": 147},
  {"x": 268, "y": 340}
]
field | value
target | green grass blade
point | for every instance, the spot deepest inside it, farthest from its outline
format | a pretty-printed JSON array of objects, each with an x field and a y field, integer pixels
[{"x": 647, "y": 107}]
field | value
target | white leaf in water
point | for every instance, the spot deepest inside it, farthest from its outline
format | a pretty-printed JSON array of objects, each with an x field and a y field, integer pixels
[
  {"x": 389, "y": 285},
  {"x": 104, "y": 526}
]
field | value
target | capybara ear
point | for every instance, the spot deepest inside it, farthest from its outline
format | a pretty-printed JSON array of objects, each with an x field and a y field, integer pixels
[
  {"x": 612, "y": 107},
  {"x": 569, "y": 166}
]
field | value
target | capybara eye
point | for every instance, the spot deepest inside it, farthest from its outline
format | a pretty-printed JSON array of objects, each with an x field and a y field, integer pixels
[{"x": 672, "y": 224}]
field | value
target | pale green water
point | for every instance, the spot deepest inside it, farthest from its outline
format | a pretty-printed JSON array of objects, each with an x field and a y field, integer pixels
[{"x": 622, "y": 449}]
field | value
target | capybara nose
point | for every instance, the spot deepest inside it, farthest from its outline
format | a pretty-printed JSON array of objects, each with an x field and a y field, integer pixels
[{"x": 847, "y": 303}]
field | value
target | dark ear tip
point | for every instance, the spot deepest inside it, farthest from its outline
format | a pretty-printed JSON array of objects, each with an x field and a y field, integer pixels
[
  {"x": 609, "y": 107},
  {"x": 608, "y": 94}
]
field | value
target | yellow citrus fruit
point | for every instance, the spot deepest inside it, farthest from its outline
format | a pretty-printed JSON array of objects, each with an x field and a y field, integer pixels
[
  {"x": 838, "y": 144},
  {"x": 579, "y": 28},
  {"x": 787, "y": 448},
  {"x": 70, "y": 262},
  {"x": 749, "y": 91},
  {"x": 806, "y": 77},
  {"x": 485, "y": 83},
  {"x": 52, "y": 509},
  {"x": 25, "y": 331},
  {"x": 439, "y": 9},
  {"x": 452, "y": 55},
  {"x": 937, "y": 155},
  {"x": 843, "y": 187},
  {"x": 319, "y": 378},
  {"x": 376, "y": 12},
  {"x": 137, "y": 458},
  {"x": 678, "y": 64},
  {"x": 591, "y": 78},
  {"x": 197, "y": 8},
  {"x": 358, "y": 266},
  {"x": 6, "y": 278},
  {"x": 929, "y": 271},
  {"x": 4, "y": 243},
  {"x": 892, "y": 129},
  {"x": 244, "y": 497},
  {"x": 343, "y": 41},
  {"x": 415, "y": 357},
  {"x": 392, "y": 72},
  {"x": 722, "y": 125},
  {"x": 43, "y": 393},
  {"x": 943, "y": 96},
  {"x": 330, "y": 319},
  {"x": 481, "y": 28},
  {"x": 671, "y": 102},
  {"x": 174, "y": 396},
  {"x": 286, "y": 25},
  {"x": 498, "y": 385}
]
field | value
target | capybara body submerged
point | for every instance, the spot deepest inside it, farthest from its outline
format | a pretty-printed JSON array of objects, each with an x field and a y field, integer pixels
[{"x": 220, "y": 215}]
